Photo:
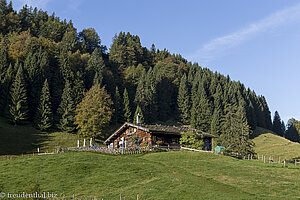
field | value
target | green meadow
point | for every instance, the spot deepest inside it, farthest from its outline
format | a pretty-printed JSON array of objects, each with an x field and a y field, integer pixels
[{"x": 164, "y": 175}]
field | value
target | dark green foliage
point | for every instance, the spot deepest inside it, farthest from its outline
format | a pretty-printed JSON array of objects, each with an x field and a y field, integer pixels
[
  {"x": 44, "y": 118},
  {"x": 145, "y": 94},
  {"x": 66, "y": 110},
  {"x": 201, "y": 109},
  {"x": 191, "y": 140},
  {"x": 184, "y": 100},
  {"x": 78, "y": 89},
  {"x": 126, "y": 103},
  {"x": 34, "y": 65},
  {"x": 3, "y": 60},
  {"x": 292, "y": 132},
  {"x": 126, "y": 50},
  {"x": 215, "y": 125},
  {"x": 18, "y": 107},
  {"x": 139, "y": 112},
  {"x": 95, "y": 69},
  {"x": 277, "y": 126},
  {"x": 91, "y": 40},
  {"x": 118, "y": 104},
  {"x": 5, "y": 89},
  {"x": 236, "y": 131}
]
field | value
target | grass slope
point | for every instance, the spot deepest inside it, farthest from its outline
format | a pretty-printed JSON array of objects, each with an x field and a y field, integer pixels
[
  {"x": 273, "y": 145},
  {"x": 165, "y": 175}
]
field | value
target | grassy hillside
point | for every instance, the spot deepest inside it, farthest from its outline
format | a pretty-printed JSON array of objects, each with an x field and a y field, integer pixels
[
  {"x": 165, "y": 175},
  {"x": 273, "y": 145}
]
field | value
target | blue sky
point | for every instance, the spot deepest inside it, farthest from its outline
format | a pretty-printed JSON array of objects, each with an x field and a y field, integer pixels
[{"x": 254, "y": 41}]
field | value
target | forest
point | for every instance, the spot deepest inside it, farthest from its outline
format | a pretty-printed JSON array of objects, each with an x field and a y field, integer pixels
[{"x": 49, "y": 73}]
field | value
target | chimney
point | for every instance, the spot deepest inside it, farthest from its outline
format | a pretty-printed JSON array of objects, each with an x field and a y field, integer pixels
[{"x": 138, "y": 118}]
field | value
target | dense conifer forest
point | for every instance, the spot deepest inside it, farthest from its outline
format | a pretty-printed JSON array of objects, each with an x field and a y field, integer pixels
[{"x": 47, "y": 66}]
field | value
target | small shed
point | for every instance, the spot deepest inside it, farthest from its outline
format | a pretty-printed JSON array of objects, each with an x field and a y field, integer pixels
[{"x": 218, "y": 149}]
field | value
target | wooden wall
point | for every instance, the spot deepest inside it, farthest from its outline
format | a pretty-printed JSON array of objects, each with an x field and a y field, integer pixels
[{"x": 127, "y": 138}]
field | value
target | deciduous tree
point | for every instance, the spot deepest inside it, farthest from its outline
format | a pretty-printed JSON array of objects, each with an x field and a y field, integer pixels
[{"x": 94, "y": 112}]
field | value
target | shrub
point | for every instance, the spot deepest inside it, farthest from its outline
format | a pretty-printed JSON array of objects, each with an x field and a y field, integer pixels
[{"x": 191, "y": 140}]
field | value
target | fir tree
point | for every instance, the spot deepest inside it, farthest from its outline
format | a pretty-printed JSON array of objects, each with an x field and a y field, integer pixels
[
  {"x": 201, "y": 110},
  {"x": 5, "y": 89},
  {"x": 95, "y": 68},
  {"x": 237, "y": 131},
  {"x": 67, "y": 110},
  {"x": 277, "y": 128},
  {"x": 183, "y": 100},
  {"x": 44, "y": 112},
  {"x": 215, "y": 126},
  {"x": 3, "y": 61},
  {"x": 118, "y": 106},
  {"x": 283, "y": 128},
  {"x": 127, "y": 110},
  {"x": 78, "y": 89},
  {"x": 18, "y": 105}
]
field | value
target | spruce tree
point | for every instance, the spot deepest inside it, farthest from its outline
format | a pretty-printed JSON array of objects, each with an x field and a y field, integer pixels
[
  {"x": 78, "y": 89},
  {"x": 3, "y": 61},
  {"x": 18, "y": 106},
  {"x": 66, "y": 109},
  {"x": 44, "y": 112},
  {"x": 118, "y": 106},
  {"x": 127, "y": 110},
  {"x": 5, "y": 89},
  {"x": 236, "y": 131},
  {"x": 95, "y": 69},
  {"x": 215, "y": 126},
  {"x": 283, "y": 128},
  {"x": 183, "y": 100},
  {"x": 277, "y": 128},
  {"x": 139, "y": 112},
  {"x": 201, "y": 110}
]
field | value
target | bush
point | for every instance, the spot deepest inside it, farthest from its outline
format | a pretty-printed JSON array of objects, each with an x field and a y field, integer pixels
[{"x": 191, "y": 140}]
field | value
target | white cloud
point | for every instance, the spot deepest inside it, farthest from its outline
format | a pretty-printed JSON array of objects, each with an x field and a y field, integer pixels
[{"x": 215, "y": 47}]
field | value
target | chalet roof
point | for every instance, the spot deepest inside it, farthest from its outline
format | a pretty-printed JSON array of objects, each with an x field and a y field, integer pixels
[{"x": 157, "y": 128}]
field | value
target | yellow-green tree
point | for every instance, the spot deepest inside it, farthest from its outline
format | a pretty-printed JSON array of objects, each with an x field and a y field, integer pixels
[{"x": 94, "y": 112}]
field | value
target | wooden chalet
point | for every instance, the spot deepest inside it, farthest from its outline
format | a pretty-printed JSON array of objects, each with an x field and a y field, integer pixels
[{"x": 126, "y": 136}]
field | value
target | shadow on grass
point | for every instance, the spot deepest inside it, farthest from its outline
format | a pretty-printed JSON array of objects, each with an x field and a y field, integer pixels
[{"x": 19, "y": 139}]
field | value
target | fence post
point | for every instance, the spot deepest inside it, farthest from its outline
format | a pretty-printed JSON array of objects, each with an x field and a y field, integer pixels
[
  {"x": 73, "y": 196},
  {"x": 295, "y": 162},
  {"x": 137, "y": 197},
  {"x": 248, "y": 157},
  {"x": 120, "y": 196},
  {"x": 284, "y": 163}
]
